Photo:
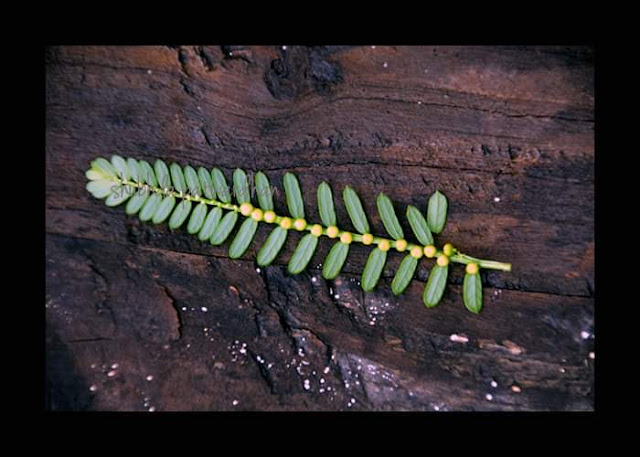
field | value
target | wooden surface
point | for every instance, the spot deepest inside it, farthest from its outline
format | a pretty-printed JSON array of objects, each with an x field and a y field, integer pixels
[{"x": 506, "y": 133}]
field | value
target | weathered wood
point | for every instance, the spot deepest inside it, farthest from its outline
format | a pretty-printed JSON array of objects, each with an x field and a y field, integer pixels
[{"x": 505, "y": 133}]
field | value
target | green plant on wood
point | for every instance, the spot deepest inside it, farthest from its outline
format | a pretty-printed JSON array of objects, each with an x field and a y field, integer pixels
[{"x": 203, "y": 200}]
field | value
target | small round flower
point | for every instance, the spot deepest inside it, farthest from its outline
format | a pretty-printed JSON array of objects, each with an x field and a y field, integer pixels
[
  {"x": 430, "y": 251},
  {"x": 286, "y": 223},
  {"x": 447, "y": 249},
  {"x": 346, "y": 238},
  {"x": 367, "y": 238},
  {"x": 269, "y": 216},
  {"x": 384, "y": 245},
  {"x": 300, "y": 224},
  {"x": 472, "y": 268},
  {"x": 401, "y": 245},
  {"x": 416, "y": 252},
  {"x": 246, "y": 208},
  {"x": 316, "y": 230},
  {"x": 257, "y": 214},
  {"x": 443, "y": 260},
  {"x": 332, "y": 231}
]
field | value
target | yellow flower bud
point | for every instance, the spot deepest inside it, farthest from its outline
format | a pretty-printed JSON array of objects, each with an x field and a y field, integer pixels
[
  {"x": 416, "y": 252},
  {"x": 332, "y": 231},
  {"x": 473, "y": 268},
  {"x": 401, "y": 245},
  {"x": 346, "y": 238},
  {"x": 443, "y": 260},
  {"x": 300, "y": 224},
  {"x": 367, "y": 238},
  {"x": 316, "y": 230},
  {"x": 257, "y": 214},
  {"x": 269, "y": 216},
  {"x": 384, "y": 245},
  {"x": 430, "y": 251},
  {"x": 286, "y": 223},
  {"x": 246, "y": 208},
  {"x": 448, "y": 249}
]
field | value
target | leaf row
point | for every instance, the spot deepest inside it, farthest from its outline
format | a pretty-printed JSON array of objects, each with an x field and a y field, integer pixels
[{"x": 199, "y": 197}]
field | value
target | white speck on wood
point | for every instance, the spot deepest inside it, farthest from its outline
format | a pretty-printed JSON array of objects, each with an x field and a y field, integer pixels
[{"x": 458, "y": 338}]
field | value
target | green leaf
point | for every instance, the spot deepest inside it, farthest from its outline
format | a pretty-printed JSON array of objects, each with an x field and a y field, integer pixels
[
  {"x": 210, "y": 224},
  {"x": 388, "y": 216},
  {"x": 197, "y": 218},
  {"x": 272, "y": 246},
  {"x": 325, "y": 205},
  {"x": 162, "y": 174},
  {"x": 177, "y": 178},
  {"x": 419, "y": 226},
  {"x": 134, "y": 169},
  {"x": 223, "y": 230},
  {"x": 293, "y": 195},
  {"x": 121, "y": 167},
  {"x": 437, "y": 212},
  {"x": 220, "y": 185},
  {"x": 150, "y": 207},
  {"x": 193, "y": 183},
  {"x": 104, "y": 167},
  {"x": 164, "y": 209},
  {"x": 435, "y": 285},
  {"x": 264, "y": 192},
  {"x": 135, "y": 203},
  {"x": 303, "y": 253},
  {"x": 101, "y": 188},
  {"x": 119, "y": 194},
  {"x": 243, "y": 238},
  {"x": 335, "y": 260},
  {"x": 180, "y": 214},
  {"x": 472, "y": 292},
  {"x": 206, "y": 184},
  {"x": 373, "y": 269},
  {"x": 147, "y": 174},
  {"x": 354, "y": 208},
  {"x": 404, "y": 274},
  {"x": 241, "y": 186},
  {"x": 93, "y": 174}
]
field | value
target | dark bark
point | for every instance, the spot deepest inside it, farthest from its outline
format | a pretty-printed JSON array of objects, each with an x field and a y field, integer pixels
[{"x": 479, "y": 124}]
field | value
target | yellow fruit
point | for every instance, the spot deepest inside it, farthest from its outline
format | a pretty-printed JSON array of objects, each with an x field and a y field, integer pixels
[
  {"x": 473, "y": 268},
  {"x": 416, "y": 252},
  {"x": 316, "y": 230},
  {"x": 332, "y": 231},
  {"x": 286, "y": 223},
  {"x": 367, "y": 238},
  {"x": 443, "y": 260},
  {"x": 401, "y": 245},
  {"x": 257, "y": 214},
  {"x": 269, "y": 216},
  {"x": 430, "y": 251},
  {"x": 384, "y": 245},
  {"x": 346, "y": 238},
  {"x": 246, "y": 208},
  {"x": 300, "y": 224},
  {"x": 447, "y": 249}
]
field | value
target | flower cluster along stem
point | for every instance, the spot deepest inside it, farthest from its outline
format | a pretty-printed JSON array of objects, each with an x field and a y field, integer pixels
[{"x": 405, "y": 247}]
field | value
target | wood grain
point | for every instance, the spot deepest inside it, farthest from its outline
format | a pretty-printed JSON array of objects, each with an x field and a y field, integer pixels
[{"x": 505, "y": 132}]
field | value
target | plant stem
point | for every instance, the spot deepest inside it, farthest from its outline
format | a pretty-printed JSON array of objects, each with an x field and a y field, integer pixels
[
  {"x": 488, "y": 264},
  {"x": 357, "y": 237}
]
